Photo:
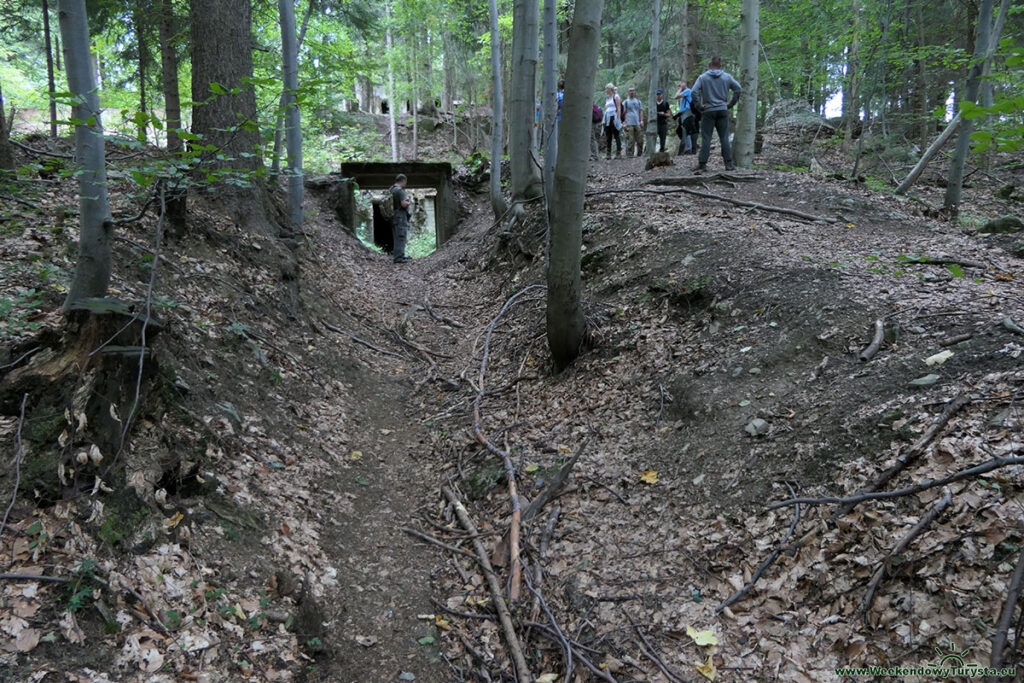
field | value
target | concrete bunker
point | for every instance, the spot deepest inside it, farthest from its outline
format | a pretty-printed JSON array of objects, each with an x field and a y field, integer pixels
[{"x": 372, "y": 175}]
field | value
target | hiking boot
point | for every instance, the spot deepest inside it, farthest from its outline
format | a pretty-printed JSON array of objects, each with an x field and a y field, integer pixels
[
  {"x": 699, "y": 168},
  {"x": 401, "y": 259},
  {"x": 730, "y": 167}
]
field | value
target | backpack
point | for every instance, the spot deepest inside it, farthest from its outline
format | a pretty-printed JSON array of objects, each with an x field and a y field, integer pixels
[
  {"x": 598, "y": 116},
  {"x": 386, "y": 202}
]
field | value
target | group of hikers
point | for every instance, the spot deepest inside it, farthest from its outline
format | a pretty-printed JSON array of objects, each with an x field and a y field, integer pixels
[{"x": 703, "y": 107}]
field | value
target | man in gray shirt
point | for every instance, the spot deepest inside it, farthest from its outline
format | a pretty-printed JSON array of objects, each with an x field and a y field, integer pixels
[
  {"x": 711, "y": 96},
  {"x": 634, "y": 124},
  {"x": 400, "y": 221}
]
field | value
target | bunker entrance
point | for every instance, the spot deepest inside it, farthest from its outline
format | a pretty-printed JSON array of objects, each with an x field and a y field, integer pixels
[{"x": 429, "y": 186}]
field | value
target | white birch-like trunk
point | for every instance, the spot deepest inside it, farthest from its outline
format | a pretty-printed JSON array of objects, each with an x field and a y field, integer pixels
[
  {"x": 550, "y": 102},
  {"x": 415, "y": 102},
  {"x": 497, "y": 199},
  {"x": 652, "y": 103},
  {"x": 392, "y": 104},
  {"x": 746, "y": 112},
  {"x": 92, "y": 271},
  {"x": 293, "y": 120},
  {"x": 566, "y": 325}
]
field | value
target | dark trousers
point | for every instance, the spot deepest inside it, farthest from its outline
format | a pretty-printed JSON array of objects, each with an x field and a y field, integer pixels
[
  {"x": 400, "y": 229},
  {"x": 710, "y": 122},
  {"x": 662, "y": 133},
  {"x": 611, "y": 131}
]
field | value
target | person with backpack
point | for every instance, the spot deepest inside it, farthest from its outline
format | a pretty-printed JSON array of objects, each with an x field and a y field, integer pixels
[
  {"x": 400, "y": 217},
  {"x": 711, "y": 98},
  {"x": 686, "y": 131}
]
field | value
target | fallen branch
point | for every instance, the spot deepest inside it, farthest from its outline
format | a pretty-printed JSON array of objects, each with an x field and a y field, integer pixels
[
  {"x": 650, "y": 653},
  {"x": 440, "y": 544},
  {"x": 929, "y": 153},
  {"x": 760, "y": 207},
  {"x": 952, "y": 341},
  {"x": 550, "y": 491},
  {"x": 40, "y": 152},
  {"x": 876, "y": 579},
  {"x": 983, "y": 468},
  {"x": 741, "y": 593},
  {"x": 515, "y": 588},
  {"x": 701, "y": 179},
  {"x": 944, "y": 261},
  {"x": 23, "y": 202},
  {"x": 357, "y": 340},
  {"x": 876, "y": 343},
  {"x": 562, "y": 638},
  {"x": 600, "y": 673},
  {"x": 511, "y": 640},
  {"x": 911, "y": 455},
  {"x": 608, "y": 489},
  {"x": 1006, "y": 615}
]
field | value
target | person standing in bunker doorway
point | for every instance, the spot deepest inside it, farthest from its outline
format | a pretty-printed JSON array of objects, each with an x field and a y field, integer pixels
[{"x": 400, "y": 222}]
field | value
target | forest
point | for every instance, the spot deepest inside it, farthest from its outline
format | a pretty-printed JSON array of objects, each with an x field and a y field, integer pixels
[{"x": 518, "y": 340}]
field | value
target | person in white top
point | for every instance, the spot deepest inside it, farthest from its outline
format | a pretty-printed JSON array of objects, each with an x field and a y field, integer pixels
[{"x": 612, "y": 121}]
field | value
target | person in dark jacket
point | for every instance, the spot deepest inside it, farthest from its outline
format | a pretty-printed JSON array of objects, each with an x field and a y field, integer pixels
[
  {"x": 711, "y": 97},
  {"x": 400, "y": 221},
  {"x": 664, "y": 111}
]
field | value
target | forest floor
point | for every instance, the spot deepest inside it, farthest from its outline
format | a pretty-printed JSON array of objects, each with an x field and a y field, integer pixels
[{"x": 282, "y": 534}]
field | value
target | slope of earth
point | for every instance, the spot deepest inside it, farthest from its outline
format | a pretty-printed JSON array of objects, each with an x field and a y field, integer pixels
[
  {"x": 286, "y": 469},
  {"x": 724, "y": 376}
]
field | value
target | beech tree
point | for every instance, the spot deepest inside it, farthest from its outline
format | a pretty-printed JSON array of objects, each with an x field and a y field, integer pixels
[
  {"x": 6, "y": 154},
  {"x": 550, "y": 102},
  {"x": 522, "y": 110},
  {"x": 92, "y": 270},
  {"x": 498, "y": 203},
  {"x": 746, "y": 113},
  {"x": 566, "y": 325},
  {"x": 48, "y": 45},
  {"x": 293, "y": 122},
  {"x": 652, "y": 106}
]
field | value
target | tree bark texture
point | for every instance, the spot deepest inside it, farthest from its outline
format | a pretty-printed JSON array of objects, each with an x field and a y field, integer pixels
[
  {"x": 169, "y": 76},
  {"x": 746, "y": 113},
  {"x": 392, "y": 102},
  {"x": 222, "y": 55},
  {"x": 293, "y": 122},
  {"x": 566, "y": 324},
  {"x": 143, "y": 64},
  {"x": 6, "y": 153},
  {"x": 522, "y": 110},
  {"x": 275, "y": 158},
  {"x": 851, "y": 98},
  {"x": 550, "y": 104},
  {"x": 92, "y": 271},
  {"x": 691, "y": 63},
  {"x": 983, "y": 37},
  {"x": 49, "y": 69},
  {"x": 497, "y": 199}
]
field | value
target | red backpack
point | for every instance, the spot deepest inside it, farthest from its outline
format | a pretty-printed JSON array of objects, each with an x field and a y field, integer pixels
[{"x": 598, "y": 114}]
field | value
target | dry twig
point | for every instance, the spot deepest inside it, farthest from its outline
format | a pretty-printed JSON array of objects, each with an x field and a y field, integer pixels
[
  {"x": 876, "y": 579},
  {"x": 508, "y": 629},
  {"x": 19, "y": 451},
  {"x": 1006, "y": 615},
  {"x": 876, "y": 342}
]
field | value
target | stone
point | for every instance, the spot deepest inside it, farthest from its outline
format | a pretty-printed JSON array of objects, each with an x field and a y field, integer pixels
[
  {"x": 925, "y": 381},
  {"x": 757, "y": 427},
  {"x": 755, "y": 371},
  {"x": 1005, "y": 225}
]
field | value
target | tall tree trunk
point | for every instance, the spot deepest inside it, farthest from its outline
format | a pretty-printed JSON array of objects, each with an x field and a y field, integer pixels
[
  {"x": 985, "y": 44},
  {"x": 652, "y": 107},
  {"x": 566, "y": 325},
  {"x": 926, "y": 124},
  {"x": 293, "y": 122},
  {"x": 275, "y": 159},
  {"x": 497, "y": 199},
  {"x": 414, "y": 78},
  {"x": 6, "y": 153},
  {"x": 92, "y": 271},
  {"x": 522, "y": 111},
  {"x": 177, "y": 197},
  {"x": 392, "y": 102},
  {"x": 851, "y": 98},
  {"x": 448, "y": 89},
  {"x": 691, "y": 63},
  {"x": 221, "y": 59},
  {"x": 140, "y": 40},
  {"x": 169, "y": 76},
  {"x": 550, "y": 92},
  {"x": 746, "y": 113},
  {"x": 51, "y": 89}
]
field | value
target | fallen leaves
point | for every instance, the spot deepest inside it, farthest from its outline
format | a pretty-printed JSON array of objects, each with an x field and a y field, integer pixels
[{"x": 649, "y": 477}]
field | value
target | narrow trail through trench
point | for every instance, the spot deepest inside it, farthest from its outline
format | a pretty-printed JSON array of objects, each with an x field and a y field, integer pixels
[{"x": 378, "y": 613}]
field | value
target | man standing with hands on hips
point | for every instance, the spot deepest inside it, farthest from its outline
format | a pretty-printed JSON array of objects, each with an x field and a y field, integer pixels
[
  {"x": 400, "y": 221},
  {"x": 711, "y": 96}
]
